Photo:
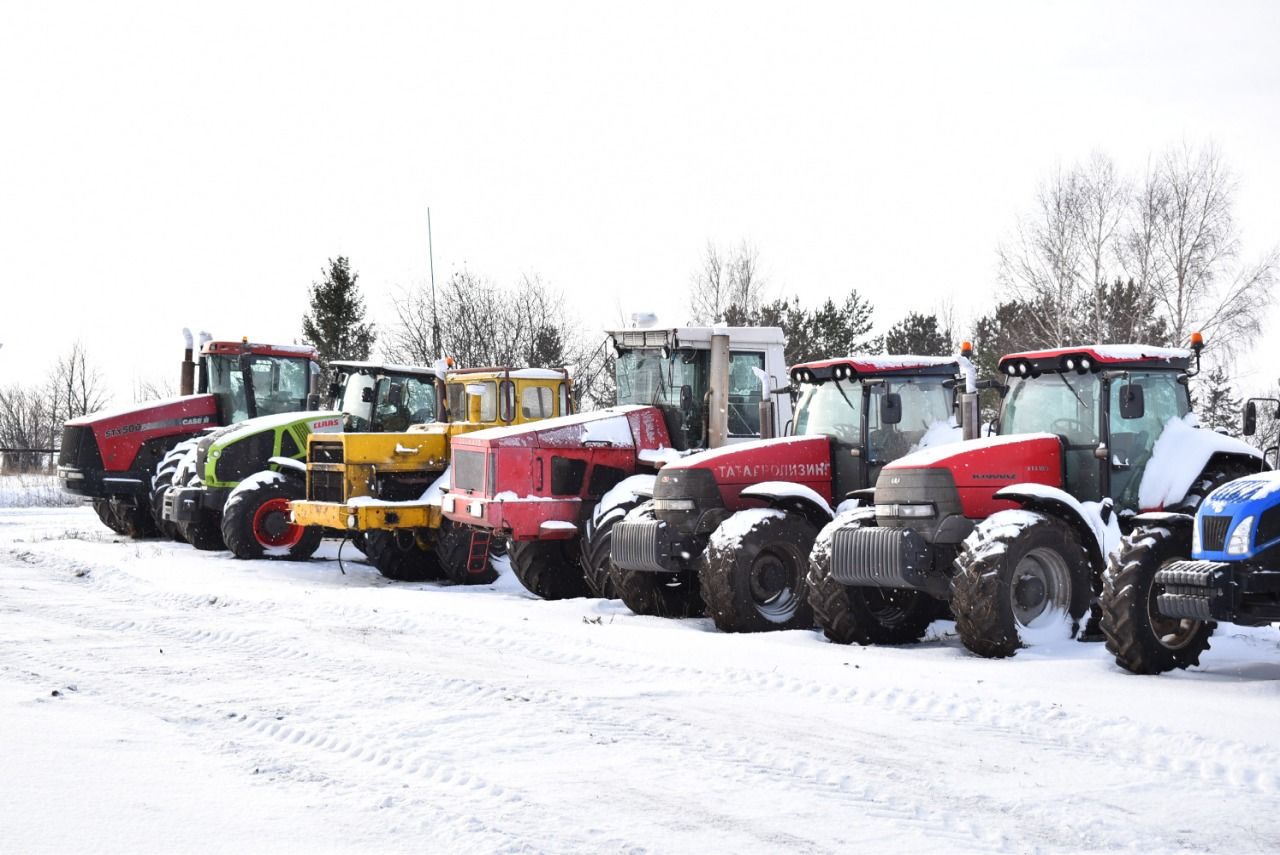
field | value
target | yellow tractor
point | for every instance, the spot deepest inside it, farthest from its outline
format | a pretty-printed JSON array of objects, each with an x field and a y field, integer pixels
[{"x": 384, "y": 489}]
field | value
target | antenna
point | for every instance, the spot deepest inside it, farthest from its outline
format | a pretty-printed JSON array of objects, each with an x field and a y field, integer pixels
[{"x": 435, "y": 318}]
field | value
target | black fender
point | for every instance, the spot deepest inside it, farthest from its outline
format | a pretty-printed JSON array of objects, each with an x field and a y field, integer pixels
[
  {"x": 1064, "y": 507},
  {"x": 780, "y": 495},
  {"x": 294, "y": 470}
]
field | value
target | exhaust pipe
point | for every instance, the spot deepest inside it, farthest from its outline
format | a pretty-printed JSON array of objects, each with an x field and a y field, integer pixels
[
  {"x": 718, "y": 396},
  {"x": 187, "y": 378},
  {"x": 970, "y": 412}
]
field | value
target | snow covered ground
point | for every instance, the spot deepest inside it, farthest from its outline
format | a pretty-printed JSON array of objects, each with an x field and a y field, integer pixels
[{"x": 153, "y": 698}]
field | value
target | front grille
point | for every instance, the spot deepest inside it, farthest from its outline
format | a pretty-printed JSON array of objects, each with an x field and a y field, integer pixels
[
  {"x": 1213, "y": 533},
  {"x": 325, "y": 452},
  {"x": 1268, "y": 526},
  {"x": 884, "y": 557},
  {"x": 79, "y": 448},
  {"x": 468, "y": 470},
  {"x": 634, "y": 545},
  {"x": 325, "y": 486}
]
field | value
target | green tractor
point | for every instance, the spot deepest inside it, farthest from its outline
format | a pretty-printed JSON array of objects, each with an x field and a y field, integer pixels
[{"x": 231, "y": 488}]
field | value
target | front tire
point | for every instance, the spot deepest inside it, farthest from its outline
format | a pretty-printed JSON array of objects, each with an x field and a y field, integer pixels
[
  {"x": 454, "y": 546},
  {"x": 256, "y": 524},
  {"x": 597, "y": 541},
  {"x": 549, "y": 568},
  {"x": 204, "y": 532},
  {"x": 758, "y": 582},
  {"x": 1141, "y": 639},
  {"x": 402, "y": 555},
  {"x": 1018, "y": 571}
]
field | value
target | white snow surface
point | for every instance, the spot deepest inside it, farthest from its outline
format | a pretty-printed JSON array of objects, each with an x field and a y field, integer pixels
[
  {"x": 784, "y": 489},
  {"x": 126, "y": 409},
  {"x": 35, "y": 491},
  {"x": 558, "y": 422},
  {"x": 1247, "y": 489},
  {"x": 1178, "y": 458},
  {"x": 627, "y": 490},
  {"x": 730, "y": 532},
  {"x": 1139, "y": 351},
  {"x": 558, "y": 525},
  {"x": 209, "y": 704},
  {"x": 278, "y": 420},
  {"x": 661, "y": 456},
  {"x": 941, "y": 432},
  {"x": 1107, "y": 535}
]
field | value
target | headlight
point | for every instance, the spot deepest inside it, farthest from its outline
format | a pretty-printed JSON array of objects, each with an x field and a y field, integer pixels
[
  {"x": 1239, "y": 542},
  {"x": 674, "y": 505},
  {"x": 476, "y": 509},
  {"x": 912, "y": 511},
  {"x": 351, "y": 520},
  {"x": 1195, "y": 536}
]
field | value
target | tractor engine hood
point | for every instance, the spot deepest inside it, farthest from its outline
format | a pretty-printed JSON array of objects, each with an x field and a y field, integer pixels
[
  {"x": 977, "y": 468},
  {"x": 121, "y": 433},
  {"x": 1244, "y": 510},
  {"x": 802, "y": 460}
]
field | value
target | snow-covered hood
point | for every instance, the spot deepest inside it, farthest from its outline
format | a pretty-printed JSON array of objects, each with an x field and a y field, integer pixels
[
  {"x": 1179, "y": 456},
  {"x": 316, "y": 421},
  {"x": 802, "y": 459},
  {"x": 615, "y": 427}
]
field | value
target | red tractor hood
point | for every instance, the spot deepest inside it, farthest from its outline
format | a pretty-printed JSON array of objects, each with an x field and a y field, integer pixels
[
  {"x": 641, "y": 428},
  {"x": 120, "y": 433},
  {"x": 981, "y": 467},
  {"x": 798, "y": 459}
]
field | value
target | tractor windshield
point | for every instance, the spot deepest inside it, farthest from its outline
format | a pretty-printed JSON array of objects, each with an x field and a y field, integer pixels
[
  {"x": 676, "y": 384},
  {"x": 280, "y": 385},
  {"x": 824, "y": 410},
  {"x": 417, "y": 403},
  {"x": 836, "y": 410},
  {"x": 1066, "y": 404}
]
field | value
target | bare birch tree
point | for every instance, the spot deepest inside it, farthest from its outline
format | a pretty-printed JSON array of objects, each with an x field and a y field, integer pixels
[
  {"x": 726, "y": 288},
  {"x": 1103, "y": 199}
]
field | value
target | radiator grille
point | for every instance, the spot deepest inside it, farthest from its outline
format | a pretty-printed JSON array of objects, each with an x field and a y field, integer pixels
[
  {"x": 325, "y": 452},
  {"x": 884, "y": 557},
  {"x": 1213, "y": 532},
  {"x": 326, "y": 486},
  {"x": 468, "y": 470},
  {"x": 634, "y": 546}
]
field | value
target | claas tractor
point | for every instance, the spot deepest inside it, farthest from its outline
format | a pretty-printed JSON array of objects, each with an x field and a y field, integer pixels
[
  {"x": 384, "y": 489},
  {"x": 235, "y": 486},
  {"x": 111, "y": 457},
  {"x": 1160, "y": 607},
  {"x": 679, "y": 390},
  {"x": 1013, "y": 530},
  {"x": 732, "y": 528}
]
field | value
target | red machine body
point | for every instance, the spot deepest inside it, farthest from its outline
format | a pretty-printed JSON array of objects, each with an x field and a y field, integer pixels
[{"x": 803, "y": 460}]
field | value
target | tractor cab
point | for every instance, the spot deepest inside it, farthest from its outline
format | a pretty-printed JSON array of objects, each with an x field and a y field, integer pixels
[
  {"x": 1107, "y": 406},
  {"x": 250, "y": 380},
  {"x": 377, "y": 398}
]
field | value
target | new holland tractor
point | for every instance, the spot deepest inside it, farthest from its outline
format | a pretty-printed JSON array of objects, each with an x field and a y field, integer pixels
[
  {"x": 1013, "y": 530},
  {"x": 1159, "y": 607},
  {"x": 732, "y": 528},
  {"x": 233, "y": 488},
  {"x": 111, "y": 457},
  {"x": 384, "y": 489},
  {"x": 679, "y": 389}
]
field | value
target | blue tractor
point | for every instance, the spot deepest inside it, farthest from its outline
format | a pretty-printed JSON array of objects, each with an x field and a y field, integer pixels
[{"x": 1159, "y": 609}]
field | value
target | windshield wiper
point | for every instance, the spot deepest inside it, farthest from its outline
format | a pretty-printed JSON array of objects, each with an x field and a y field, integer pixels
[
  {"x": 1063, "y": 378},
  {"x": 840, "y": 389}
]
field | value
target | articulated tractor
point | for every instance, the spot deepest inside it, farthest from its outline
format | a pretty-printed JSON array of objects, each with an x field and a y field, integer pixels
[
  {"x": 732, "y": 528},
  {"x": 383, "y": 489},
  {"x": 1013, "y": 530},
  {"x": 232, "y": 487},
  {"x": 111, "y": 457},
  {"x": 679, "y": 390}
]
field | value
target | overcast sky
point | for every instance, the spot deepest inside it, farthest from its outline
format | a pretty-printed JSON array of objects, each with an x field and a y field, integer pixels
[{"x": 195, "y": 164}]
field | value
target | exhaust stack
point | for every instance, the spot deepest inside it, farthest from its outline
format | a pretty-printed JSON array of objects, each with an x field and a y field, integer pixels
[
  {"x": 718, "y": 396},
  {"x": 187, "y": 379}
]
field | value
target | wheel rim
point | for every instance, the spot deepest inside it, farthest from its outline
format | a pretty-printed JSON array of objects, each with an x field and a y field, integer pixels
[
  {"x": 1041, "y": 589},
  {"x": 1172, "y": 633},
  {"x": 889, "y": 606},
  {"x": 271, "y": 525},
  {"x": 773, "y": 583}
]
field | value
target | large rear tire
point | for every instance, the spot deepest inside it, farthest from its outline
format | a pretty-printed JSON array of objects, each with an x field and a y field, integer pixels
[
  {"x": 162, "y": 481},
  {"x": 1141, "y": 639},
  {"x": 402, "y": 555},
  {"x": 255, "y": 520},
  {"x": 1018, "y": 573},
  {"x": 102, "y": 507},
  {"x": 456, "y": 545},
  {"x": 549, "y": 568},
  {"x": 759, "y": 582}
]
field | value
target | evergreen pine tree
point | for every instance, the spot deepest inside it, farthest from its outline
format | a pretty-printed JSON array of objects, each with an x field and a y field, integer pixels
[
  {"x": 918, "y": 334},
  {"x": 336, "y": 325},
  {"x": 1218, "y": 409}
]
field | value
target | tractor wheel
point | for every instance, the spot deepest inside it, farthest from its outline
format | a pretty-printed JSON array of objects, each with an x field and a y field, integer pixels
[
  {"x": 160, "y": 484},
  {"x": 498, "y": 545},
  {"x": 596, "y": 543},
  {"x": 758, "y": 582},
  {"x": 1018, "y": 570},
  {"x": 863, "y": 615},
  {"x": 102, "y": 507},
  {"x": 132, "y": 521},
  {"x": 255, "y": 520},
  {"x": 357, "y": 540},
  {"x": 402, "y": 555},
  {"x": 454, "y": 548},
  {"x": 204, "y": 532},
  {"x": 549, "y": 568},
  {"x": 1143, "y": 640}
]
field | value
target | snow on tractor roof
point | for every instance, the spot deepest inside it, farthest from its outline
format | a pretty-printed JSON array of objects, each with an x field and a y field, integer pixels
[
  {"x": 862, "y": 364},
  {"x": 386, "y": 367},
  {"x": 698, "y": 338},
  {"x": 1092, "y": 357},
  {"x": 235, "y": 347},
  {"x": 608, "y": 425}
]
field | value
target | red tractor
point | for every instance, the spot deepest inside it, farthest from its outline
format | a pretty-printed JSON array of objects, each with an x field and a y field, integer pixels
[
  {"x": 111, "y": 457},
  {"x": 1014, "y": 530},
  {"x": 540, "y": 484},
  {"x": 732, "y": 528}
]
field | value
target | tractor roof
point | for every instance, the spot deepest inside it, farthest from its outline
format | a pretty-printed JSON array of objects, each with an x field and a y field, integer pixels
[
  {"x": 698, "y": 338},
  {"x": 494, "y": 373},
  {"x": 1096, "y": 357},
  {"x": 350, "y": 365},
  {"x": 234, "y": 348},
  {"x": 864, "y": 365}
]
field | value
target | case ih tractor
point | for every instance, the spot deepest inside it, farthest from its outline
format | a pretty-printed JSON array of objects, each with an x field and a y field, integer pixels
[
  {"x": 678, "y": 389},
  {"x": 732, "y": 528},
  {"x": 234, "y": 489},
  {"x": 1159, "y": 609},
  {"x": 384, "y": 489},
  {"x": 111, "y": 457},
  {"x": 1013, "y": 530}
]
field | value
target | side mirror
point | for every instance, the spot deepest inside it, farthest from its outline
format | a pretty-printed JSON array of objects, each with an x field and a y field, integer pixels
[
  {"x": 686, "y": 397},
  {"x": 335, "y": 389},
  {"x": 395, "y": 394},
  {"x": 1132, "y": 405},
  {"x": 1250, "y": 426},
  {"x": 366, "y": 395},
  {"x": 313, "y": 401},
  {"x": 890, "y": 408}
]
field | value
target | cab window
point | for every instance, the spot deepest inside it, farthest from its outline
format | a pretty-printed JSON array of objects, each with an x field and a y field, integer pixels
[
  {"x": 536, "y": 402},
  {"x": 745, "y": 393}
]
